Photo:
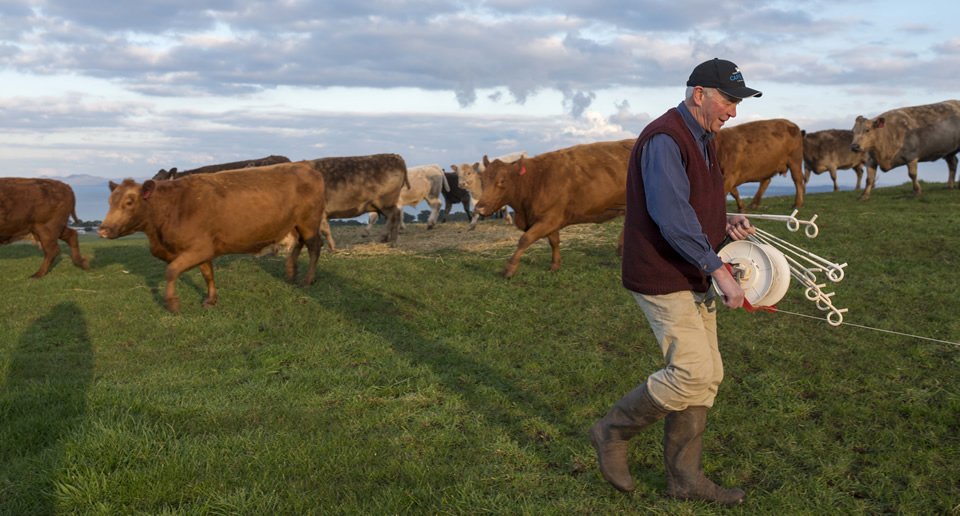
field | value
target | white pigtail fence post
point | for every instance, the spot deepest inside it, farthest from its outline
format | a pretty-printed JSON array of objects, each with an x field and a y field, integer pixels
[{"x": 806, "y": 275}]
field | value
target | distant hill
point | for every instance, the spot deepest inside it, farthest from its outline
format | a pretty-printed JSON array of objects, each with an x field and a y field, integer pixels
[{"x": 81, "y": 180}]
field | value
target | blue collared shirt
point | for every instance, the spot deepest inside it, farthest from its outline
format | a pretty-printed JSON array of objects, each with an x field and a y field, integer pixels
[{"x": 668, "y": 192}]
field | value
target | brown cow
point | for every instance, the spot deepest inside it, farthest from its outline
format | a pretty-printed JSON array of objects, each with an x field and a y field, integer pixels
[
  {"x": 41, "y": 208},
  {"x": 830, "y": 150},
  {"x": 191, "y": 221},
  {"x": 363, "y": 184},
  {"x": 576, "y": 185},
  {"x": 907, "y": 136},
  {"x": 757, "y": 151},
  {"x": 164, "y": 175}
]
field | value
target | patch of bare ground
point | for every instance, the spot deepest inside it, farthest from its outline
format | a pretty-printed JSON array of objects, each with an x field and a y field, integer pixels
[{"x": 491, "y": 237}]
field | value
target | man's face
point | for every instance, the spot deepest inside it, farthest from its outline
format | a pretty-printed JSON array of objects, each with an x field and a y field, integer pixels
[{"x": 717, "y": 109}]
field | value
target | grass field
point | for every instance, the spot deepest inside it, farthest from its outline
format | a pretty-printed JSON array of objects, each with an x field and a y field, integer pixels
[{"x": 415, "y": 379}]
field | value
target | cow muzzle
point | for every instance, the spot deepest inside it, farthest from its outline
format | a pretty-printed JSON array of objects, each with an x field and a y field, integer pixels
[
  {"x": 107, "y": 232},
  {"x": 855, "y": 147}
]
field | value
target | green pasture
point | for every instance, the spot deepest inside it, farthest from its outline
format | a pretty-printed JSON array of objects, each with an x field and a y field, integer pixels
[{"x": 416, "y": 380}]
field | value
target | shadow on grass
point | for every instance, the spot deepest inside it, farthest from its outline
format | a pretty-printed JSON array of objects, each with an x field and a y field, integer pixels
[
  {"x": 43, "y": 402},
  {"x": 392, "y": 315}
]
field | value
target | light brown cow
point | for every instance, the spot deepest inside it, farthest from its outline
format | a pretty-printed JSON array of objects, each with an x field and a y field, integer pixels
[
  {"x": 191, "y": 221},
  {"x": 907, "y": 136},
  {"x": 757, "y": 151},
  {"x": 363, "y": 184},
  {"x": 40, "y": 208},
  {"x": 576, "y": 185},
  {"x": 425, "y": 183},
  {"x": 469, "y": 175},
  {"x": 830, "y": 150},
  {"x": 164, "y": 175}
]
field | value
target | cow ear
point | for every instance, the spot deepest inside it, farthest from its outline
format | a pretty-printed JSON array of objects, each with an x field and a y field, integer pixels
[
  {"x": 113, "y": 186},
  {"x": 486, "y": 162},
  {"x": 453, "y": 168},
  {"x": 147, "y": 189},
  {"x": 879, "y": 123},
  {"x": 860, "y": 118}
]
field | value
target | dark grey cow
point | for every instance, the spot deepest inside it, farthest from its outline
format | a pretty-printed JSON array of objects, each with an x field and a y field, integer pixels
[
  {"x": 830, "y": 150},
  {"x": 908, "y": 135},
  {"x": 164, "y": 175},
  {"x": 363, "y": 184},
  {"x": 455, "y": 195}
]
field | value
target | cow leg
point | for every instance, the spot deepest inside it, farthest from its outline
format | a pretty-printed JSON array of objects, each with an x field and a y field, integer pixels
[
  {"x": 833, "y": 175},
  {"x": 51, "y": 248},
  {"x": 796, "y": 173},
  {"x": 473, "y": 221},
  {"x": 871, "y": 179},
  {"x": 736, "y": 196},
  {"x": 466, "y": 207},
  {"x": 206, "y": 270},
  {"x": 313, "y": 243},
  {"x": 536, "y": 232},
  {"x": 325, "y": 231},
  {"x": 952, "y": 167},
  {"x": 506, "y": 215},
  {"x": 371, "y": 220},
  {"x": 69, "y": 236},
  {"x": 912, "y": 172},
  {"x": 859, "y": 171},
  {"x": 394, "y": 216},
  {"x": 755, "y": 203},
  {"x": 291, "y": 265},
  {"x": 554, "y": 239},
  {"x": 178, "y": 266},
  {"x": 434, "y": 212}
]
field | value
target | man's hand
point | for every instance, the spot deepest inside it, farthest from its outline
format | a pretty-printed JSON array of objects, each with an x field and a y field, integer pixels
[
  {"x": 733, "y": 295},
  {"x": 739, "y": 227}
]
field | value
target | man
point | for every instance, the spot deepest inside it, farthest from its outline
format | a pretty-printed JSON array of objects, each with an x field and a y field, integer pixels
[{"x": 675, "y": 223}]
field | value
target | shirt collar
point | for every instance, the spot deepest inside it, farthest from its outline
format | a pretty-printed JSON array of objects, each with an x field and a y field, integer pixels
[{"x": 698, "y": 132}]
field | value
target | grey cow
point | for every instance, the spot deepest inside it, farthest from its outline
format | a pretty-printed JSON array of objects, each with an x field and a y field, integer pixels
[
  {"x": 830, "y": 150},
  {"x": 906, "y": 136}
]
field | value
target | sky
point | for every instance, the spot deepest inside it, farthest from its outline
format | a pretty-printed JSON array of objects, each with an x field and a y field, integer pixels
[{"x": 123, "y": 89}]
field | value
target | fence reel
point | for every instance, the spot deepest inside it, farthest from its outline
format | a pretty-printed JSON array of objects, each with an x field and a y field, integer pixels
[{"x": 764, "y": 263}]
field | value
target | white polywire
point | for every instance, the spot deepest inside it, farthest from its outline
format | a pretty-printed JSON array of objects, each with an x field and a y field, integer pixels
[{"x": 875, "y": 329}]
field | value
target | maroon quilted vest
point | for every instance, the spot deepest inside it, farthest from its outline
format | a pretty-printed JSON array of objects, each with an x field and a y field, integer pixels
[{"x": 650, "y": 265}]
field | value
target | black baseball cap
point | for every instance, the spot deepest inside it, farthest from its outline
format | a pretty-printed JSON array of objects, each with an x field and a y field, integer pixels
[{"x": 722, "y": 75}]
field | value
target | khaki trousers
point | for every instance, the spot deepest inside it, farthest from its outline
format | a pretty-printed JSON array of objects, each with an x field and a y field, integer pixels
[{"x": 685, "y": 324}]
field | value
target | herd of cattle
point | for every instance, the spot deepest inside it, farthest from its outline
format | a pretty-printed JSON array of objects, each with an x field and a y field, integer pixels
[{"x": 191, "y": 217}]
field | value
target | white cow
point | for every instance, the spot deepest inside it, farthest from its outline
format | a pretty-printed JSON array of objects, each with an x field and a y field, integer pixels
[
  {"x": 426, "y": 182},
  {"x": 469, "y": 176}
]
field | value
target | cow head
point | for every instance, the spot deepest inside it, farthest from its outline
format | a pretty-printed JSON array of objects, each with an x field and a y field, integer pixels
[
  {"x": 128, "y": 208},
  {"x": 865, "y": 133},
  {"x": 499, "y": 182},
  {"x": 468, "y": 177}
]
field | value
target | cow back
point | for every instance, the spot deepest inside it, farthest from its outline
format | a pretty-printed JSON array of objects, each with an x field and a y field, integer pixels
[
  {"x": 236, "y": 211},
  {"x": 755, "y": 151},
  {"x": 360, "y": 184},
  {"x": 25, "y": 202},
  {"x": 211, "y": 169}
]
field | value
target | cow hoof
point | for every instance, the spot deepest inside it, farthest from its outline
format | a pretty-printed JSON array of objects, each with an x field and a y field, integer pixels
[
  {"x": 507, "y": 272},
  {"x": 173, "y": 304},
  {"x": 207, "y": 303},
  {"x": 553, "y": 267}
]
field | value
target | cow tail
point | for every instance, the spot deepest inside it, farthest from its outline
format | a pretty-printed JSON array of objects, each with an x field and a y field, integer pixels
[
  {"x": 446, "y": 185},
  {"x": 74, "y": 213},
  {"x": 405, "y": 181}
]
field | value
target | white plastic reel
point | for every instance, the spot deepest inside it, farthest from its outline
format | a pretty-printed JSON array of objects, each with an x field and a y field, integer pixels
[{"x": 762, "y": 270}]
